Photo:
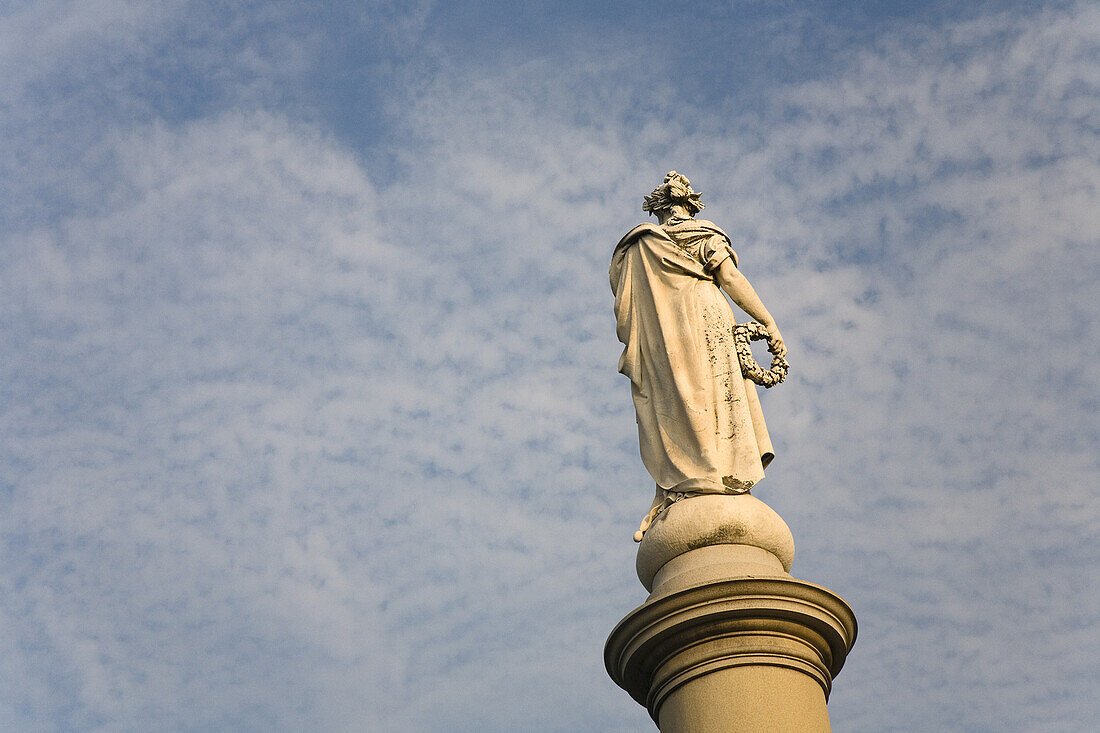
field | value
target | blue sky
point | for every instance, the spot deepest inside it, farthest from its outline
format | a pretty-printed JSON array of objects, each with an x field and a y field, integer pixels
[{"x": 309, "y": 416}]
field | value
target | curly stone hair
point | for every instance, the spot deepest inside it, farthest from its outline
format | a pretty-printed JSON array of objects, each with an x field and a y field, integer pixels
[{"x": 676, "y": 189}]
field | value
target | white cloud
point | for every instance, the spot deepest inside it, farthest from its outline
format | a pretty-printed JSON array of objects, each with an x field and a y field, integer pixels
[
  {"x": 919, "y": 226},
  {"x": 285, "y": 448}
]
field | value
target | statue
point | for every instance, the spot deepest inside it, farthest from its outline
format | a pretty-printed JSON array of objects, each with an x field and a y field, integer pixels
[
  {"x": 700, "y": 426},
  {"x": 728, "y": 639}
]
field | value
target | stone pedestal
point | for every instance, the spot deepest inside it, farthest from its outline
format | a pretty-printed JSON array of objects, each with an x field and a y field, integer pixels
[{"x": 728, "y": 641}]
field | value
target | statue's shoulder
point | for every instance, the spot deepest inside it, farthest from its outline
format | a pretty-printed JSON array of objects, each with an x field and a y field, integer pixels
[
  {"x": 711, "y": 226},
  {"x": 645, "y": 229}
]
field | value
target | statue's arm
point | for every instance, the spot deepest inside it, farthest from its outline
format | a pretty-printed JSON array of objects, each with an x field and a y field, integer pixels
[{"x": 741, "y": 292}]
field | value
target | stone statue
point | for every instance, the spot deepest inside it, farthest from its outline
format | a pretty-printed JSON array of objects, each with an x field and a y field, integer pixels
[
  {"x": 700, "y": 425},
  {"x": 728, "y": 640}
]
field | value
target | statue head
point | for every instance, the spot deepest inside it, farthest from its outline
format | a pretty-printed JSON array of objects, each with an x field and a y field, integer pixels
[{"x": 676, "y": 189}]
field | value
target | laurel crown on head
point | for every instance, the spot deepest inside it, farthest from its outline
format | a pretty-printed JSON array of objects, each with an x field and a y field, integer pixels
[{"x": 676, "y": 189}]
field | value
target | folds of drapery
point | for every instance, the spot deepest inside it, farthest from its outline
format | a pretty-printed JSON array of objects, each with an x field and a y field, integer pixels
[{"x": 700, "y": 426}]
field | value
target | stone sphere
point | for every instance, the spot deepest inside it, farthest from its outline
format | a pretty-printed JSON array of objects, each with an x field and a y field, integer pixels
[{"x": 713, "y": 519}]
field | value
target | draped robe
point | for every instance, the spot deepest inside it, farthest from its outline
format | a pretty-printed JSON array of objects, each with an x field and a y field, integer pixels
[{"x": 700, "y": 426}]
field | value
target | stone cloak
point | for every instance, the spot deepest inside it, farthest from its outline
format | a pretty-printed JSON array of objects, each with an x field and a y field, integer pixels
[{"x": 700, "y": 426}]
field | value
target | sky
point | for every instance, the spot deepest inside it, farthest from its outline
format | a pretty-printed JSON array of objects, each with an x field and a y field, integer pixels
[{"x": 309, "y": 411}]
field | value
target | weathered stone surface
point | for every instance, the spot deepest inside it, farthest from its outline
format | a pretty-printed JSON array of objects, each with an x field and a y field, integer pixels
[{"x": 701, "y": 521}]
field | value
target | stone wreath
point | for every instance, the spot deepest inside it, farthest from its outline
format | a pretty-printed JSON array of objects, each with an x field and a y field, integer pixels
[{"x": 743, "y": 333}]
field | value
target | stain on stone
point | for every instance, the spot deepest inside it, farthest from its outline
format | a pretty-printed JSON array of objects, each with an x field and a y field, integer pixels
[{"x": 736, "y": 485}]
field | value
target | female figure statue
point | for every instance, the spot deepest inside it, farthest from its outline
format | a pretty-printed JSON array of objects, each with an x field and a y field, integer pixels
[{"x": 700, "y": 426}]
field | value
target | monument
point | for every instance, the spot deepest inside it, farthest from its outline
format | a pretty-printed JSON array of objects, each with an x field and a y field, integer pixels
[{"x": 727, "y": 641}]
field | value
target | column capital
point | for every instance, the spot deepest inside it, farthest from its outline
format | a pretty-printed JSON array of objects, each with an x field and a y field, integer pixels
[{"x": 674, "y": 639}]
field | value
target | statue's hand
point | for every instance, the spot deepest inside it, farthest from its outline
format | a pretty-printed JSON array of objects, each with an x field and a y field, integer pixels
[{"x": 776, "y": 339}]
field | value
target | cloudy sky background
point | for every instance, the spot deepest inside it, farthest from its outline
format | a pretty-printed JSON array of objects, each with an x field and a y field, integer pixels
[{"x": 309, "y": 417}]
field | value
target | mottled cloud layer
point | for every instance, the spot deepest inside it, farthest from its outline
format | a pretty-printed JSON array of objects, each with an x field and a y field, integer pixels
[{"x": 308, "y": 401}]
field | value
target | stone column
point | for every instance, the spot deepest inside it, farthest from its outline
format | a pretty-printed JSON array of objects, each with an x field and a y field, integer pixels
[{"x": 728, "y": 641}]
